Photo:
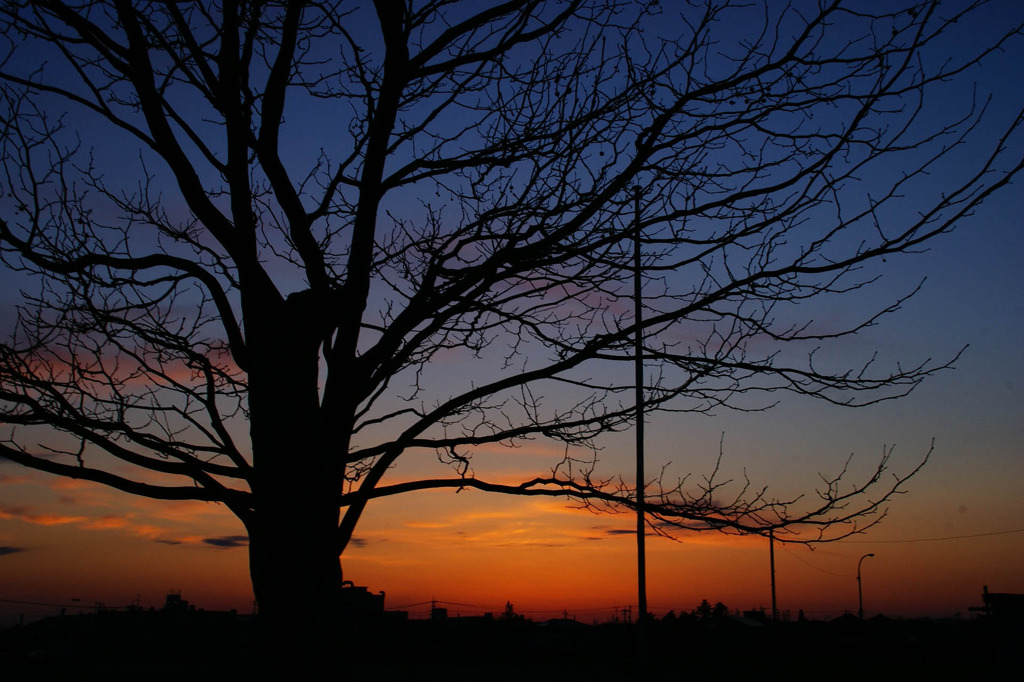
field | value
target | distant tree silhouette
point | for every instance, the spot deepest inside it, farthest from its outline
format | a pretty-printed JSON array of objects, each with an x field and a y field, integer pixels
[
  {"x": 243, "y": 231},
  {"x": 510, "y": 614},
  {"x": 705, "y": 612}
]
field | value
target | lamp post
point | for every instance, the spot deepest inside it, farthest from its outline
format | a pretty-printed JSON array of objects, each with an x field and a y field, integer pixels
[{"x": 860, "y": 592}]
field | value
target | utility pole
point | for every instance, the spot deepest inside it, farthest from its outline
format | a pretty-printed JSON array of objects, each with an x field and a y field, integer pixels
[
  {"x": 638, "y": 358},
  {"x": 771, "y": 560}
]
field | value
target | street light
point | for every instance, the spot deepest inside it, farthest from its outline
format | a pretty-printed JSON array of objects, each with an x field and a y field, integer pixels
[{"x": 860, "y": 592}]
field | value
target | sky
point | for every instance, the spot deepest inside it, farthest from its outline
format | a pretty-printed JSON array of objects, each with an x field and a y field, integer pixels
[{"x": 959, "y": 527}]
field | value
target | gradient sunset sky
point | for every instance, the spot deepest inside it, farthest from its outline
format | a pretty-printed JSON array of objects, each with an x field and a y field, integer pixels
[{"x": 959, "y": 527}]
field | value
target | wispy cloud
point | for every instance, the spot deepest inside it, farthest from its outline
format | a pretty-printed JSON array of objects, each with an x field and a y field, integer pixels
[
  {"x": 106, "y": 523},
  {"x": 131, "y": 522},
  {"x": 5, "y": 550},
  {"x": 68, "y": 484},
  {"x": 26, "y": 514},
  {"x": 532, "y": 543},
  {"x": 228, "y": 541}
]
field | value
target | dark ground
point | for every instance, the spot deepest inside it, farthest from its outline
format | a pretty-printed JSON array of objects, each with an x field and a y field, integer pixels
[{"x": 196, "y": 647}]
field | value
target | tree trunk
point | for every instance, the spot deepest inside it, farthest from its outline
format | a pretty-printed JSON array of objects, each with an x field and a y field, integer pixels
[
  {"x": 293, "y": 549},
  {"x": 296, "y": 577}
]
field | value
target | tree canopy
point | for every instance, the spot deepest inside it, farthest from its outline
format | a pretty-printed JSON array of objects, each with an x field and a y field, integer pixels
[{"x": 267, "y": 249}]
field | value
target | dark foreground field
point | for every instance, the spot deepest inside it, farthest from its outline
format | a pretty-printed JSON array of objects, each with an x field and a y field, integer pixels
[{"x": 196, "y": 647}]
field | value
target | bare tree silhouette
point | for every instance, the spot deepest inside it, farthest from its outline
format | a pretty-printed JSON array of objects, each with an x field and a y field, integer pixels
[{"x": 250, "y": 227}]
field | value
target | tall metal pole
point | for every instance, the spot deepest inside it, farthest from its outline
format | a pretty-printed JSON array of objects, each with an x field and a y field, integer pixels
[
  {"x": 638, "y": 357},
  {"x": 860, "y": 592},
  {"x": 771, "y": 560}
]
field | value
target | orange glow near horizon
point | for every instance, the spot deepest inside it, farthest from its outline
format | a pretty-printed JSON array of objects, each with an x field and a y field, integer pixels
[{"x": 472, "y": 552}]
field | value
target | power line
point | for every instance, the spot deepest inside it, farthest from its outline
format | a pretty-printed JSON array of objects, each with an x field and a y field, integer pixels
[
  {"x": 525, "y": 611},
  {"x": 951, "y": 537},
  {"x": 809, "y": 564},
  {"x": 65, "y": 606},
  {"x": 435, "y": 602},
  {"x": 874, "y": 542}
]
